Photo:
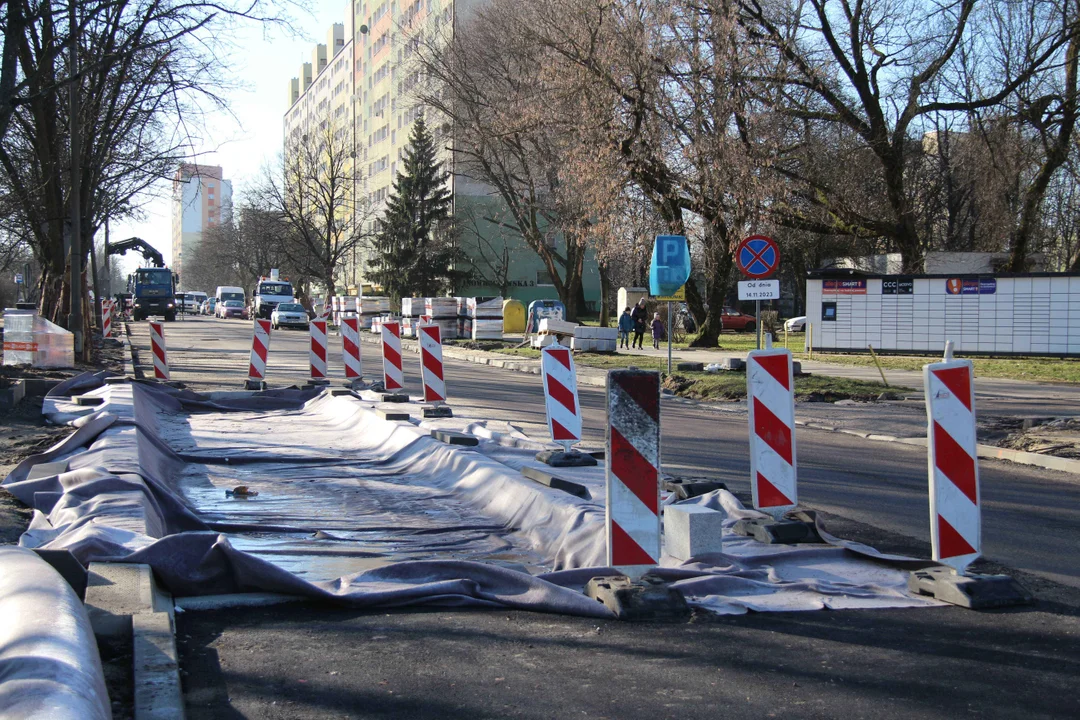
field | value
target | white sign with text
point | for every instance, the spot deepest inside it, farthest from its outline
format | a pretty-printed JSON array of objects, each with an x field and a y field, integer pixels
[{"x": 759, "y": 289}]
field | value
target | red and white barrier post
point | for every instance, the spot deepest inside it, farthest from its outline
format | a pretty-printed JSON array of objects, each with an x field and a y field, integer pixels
[
  {"x": 106, "y": 318},
  {"x": 350, "y": 348},
  {"x": 955, "y": 500},
  {"x": 431, "y": 371},
  {"x": 770, "y": 395},
  {"x": 562, "y": 407},
  {"x": 633, "y": 470},
  {"x": 157, "y": 347},
  {"x": 260, "y": 347},
  {"x": 317, "y": 330},
  {"x": 955, "y": 525},
  {"x": 393, "y": 376}
]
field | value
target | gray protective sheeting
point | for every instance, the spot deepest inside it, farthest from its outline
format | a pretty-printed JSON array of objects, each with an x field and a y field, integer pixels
[
  {"x": 49, "y": 664},
  {"x": 340, "y": 485}
]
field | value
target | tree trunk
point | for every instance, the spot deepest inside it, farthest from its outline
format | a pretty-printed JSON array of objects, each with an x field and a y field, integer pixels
[{"x": 605, "y": 295}]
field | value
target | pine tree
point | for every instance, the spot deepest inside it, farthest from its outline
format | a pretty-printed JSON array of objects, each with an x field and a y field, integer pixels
[{"x": 415, "y": 244}]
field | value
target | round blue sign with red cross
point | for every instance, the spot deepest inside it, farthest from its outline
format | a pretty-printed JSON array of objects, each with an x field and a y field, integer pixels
[{"x": 757, "y": 257}]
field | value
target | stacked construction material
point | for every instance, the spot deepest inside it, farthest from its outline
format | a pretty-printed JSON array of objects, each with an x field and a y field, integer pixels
[
  {"x": 371, "y": 307},
  {"x": 408, "y": 324},
  {"x": 487, "y": 318},
  {"x": 412, "y": 307},
  {"x": 594, "y": 339},
  {"x": 551, "y": 329},
  {"x": 443, "y": 312}
]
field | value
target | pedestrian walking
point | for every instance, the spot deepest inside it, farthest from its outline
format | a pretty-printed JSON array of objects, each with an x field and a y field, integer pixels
[
  {"x": 641, "y": 317},
  {"x": 626, "y": 324},
  {"x": 657, "y": 331}
]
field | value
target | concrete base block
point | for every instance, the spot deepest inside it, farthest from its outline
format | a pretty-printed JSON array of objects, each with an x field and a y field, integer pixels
[
  {"x": 117, "y": 380},
  {"x": 734, "y": 364},
  {"x": 561, "y": 458},
  {"x": 157, "y": 669},
  {"x": 356, "y": 384},
  {"x": 976, "y": 592},
  {"x": 556, "y": 483},
  {"x": 115, "y": 592},
  {"x": 36, "y": 387},
  {"x": 393, "y": 415},
  {"x": 340, "y": 392},
  {"x": 438, "y": 411},
  {"x": 88, "y": 400},
  {"x": 646, "y": 599},
  {"x": 394, "y": 398},
  {"x": 778, "y": 532},
  {"x": 686, "y": 488},
  {"x": 690, "y": 366},
  {"x": 691, "y": 530},
  {"x": 47, "y": 469},
  {"x": 318, "y": 382},
  {"x": 452, "y": 437},
  {"x": 254, "y": 384}
]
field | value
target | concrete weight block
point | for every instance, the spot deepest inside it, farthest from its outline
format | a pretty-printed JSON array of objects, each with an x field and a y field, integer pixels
[{"x": 691, "y": 530}]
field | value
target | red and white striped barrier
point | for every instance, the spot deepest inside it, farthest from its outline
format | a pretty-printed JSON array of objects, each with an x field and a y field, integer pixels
[
  {"x": 106, "y": 318},
  {"x": 633, "y": 470},
  {"x": 157, "y": 347},
  {"x": 955, "y": 514},
  {"x": 561, "y": 395},
  {"x": 350, "y": 347},
  {"x": 260, "y": 347},
  {"x": 317, "y": 330},
  {"x": 431, "y": 364},
  {"x": 393, "y": 377},
  {"x": 770, "y": 391}
]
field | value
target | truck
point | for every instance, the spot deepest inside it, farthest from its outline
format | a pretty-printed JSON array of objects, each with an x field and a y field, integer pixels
[
  {"x": 153, "y": 291},
  {"x": 269, "y": 293}
]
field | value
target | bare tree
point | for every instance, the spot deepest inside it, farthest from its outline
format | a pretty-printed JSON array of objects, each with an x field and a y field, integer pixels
[{"x": 314, "y": 193}]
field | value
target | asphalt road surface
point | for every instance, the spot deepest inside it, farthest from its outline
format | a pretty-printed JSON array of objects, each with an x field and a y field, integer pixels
[
  {"x": 314, "y": 661},
  {"x": 1031, "y": 517}
]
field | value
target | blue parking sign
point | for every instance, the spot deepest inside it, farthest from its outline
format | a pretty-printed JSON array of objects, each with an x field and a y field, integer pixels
[{"x": 670, "y": 267}]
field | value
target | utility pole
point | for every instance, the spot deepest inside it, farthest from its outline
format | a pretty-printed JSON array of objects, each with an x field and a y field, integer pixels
[{"x": 75, "y": 259}]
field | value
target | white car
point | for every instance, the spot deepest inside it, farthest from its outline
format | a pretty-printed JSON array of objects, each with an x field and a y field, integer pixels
[
  {"x": 289, "y": 315},
  {"x": 796, "y": 324}
]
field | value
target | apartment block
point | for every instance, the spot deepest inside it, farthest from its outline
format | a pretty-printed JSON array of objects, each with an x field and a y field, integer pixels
[{"x": 200, "y": 197}]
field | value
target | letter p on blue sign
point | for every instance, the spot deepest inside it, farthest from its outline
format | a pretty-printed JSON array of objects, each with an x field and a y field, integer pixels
[{"x": 670, "y": 267}]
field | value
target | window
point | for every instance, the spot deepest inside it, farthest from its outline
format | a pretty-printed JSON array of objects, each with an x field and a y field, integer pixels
[{"x": 543, "y": 277}]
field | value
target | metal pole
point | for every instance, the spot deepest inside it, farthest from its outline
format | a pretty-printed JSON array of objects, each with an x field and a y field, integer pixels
[
  {"x": 75, "y": 259},
  {"x": 669, "y": 337},
  {"x": 757, "y": 314}
]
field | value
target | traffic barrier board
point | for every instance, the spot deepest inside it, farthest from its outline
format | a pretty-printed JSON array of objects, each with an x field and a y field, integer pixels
[
  {"x": 770, "y": 393},
  {"x": 955, "y": 503},
  {"x": 431, "y": 364},
  {"x": 317, "y": 330},
  {"x": 260, "y": 347},
  {"x": 561, "y": 395},
  {"x": 757, "y": 257},
  {"x": 393, "y": 377},
  {"x": 157, "y": 347},
  {"x": 350, "y": 347},
  {"x": 106, "y": 318},
  {"x": 632, "y": 460}
]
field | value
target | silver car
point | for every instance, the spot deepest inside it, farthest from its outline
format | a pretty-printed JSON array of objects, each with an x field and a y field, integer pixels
[{"x": 289, "y": 315}]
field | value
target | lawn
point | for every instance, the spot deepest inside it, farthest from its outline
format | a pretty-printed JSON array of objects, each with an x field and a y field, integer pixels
[{"x": 732, "y": 386}]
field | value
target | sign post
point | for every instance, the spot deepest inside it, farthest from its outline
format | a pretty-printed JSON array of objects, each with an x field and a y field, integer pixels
[
  {"x": 758, "y": 257},
  {"x": 668, "y": 273}
]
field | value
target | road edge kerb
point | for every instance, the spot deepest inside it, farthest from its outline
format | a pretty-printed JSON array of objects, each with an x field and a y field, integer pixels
[{"x": 596, "y": 378}]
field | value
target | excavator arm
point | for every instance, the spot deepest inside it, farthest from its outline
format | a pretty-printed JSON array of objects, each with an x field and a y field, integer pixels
[{"x": 149, "y": 252}]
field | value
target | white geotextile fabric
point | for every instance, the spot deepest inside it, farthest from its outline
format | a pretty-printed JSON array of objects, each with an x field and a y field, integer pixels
[
  {"x": 49, "y": 664},
  {"x": 342, "y": 489}
]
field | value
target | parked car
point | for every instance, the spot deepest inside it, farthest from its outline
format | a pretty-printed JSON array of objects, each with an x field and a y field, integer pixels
[
  {"x": 208, "y": 306},
  {"x": 796, "y": 324},
  {"x": 232, "y": 309},
  {"x": 732, "y": 319},
  {"x": 289, "y": 315}
]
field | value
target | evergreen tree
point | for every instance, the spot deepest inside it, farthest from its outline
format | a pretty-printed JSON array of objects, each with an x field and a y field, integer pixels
[{"x": 415, "y": 244}]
